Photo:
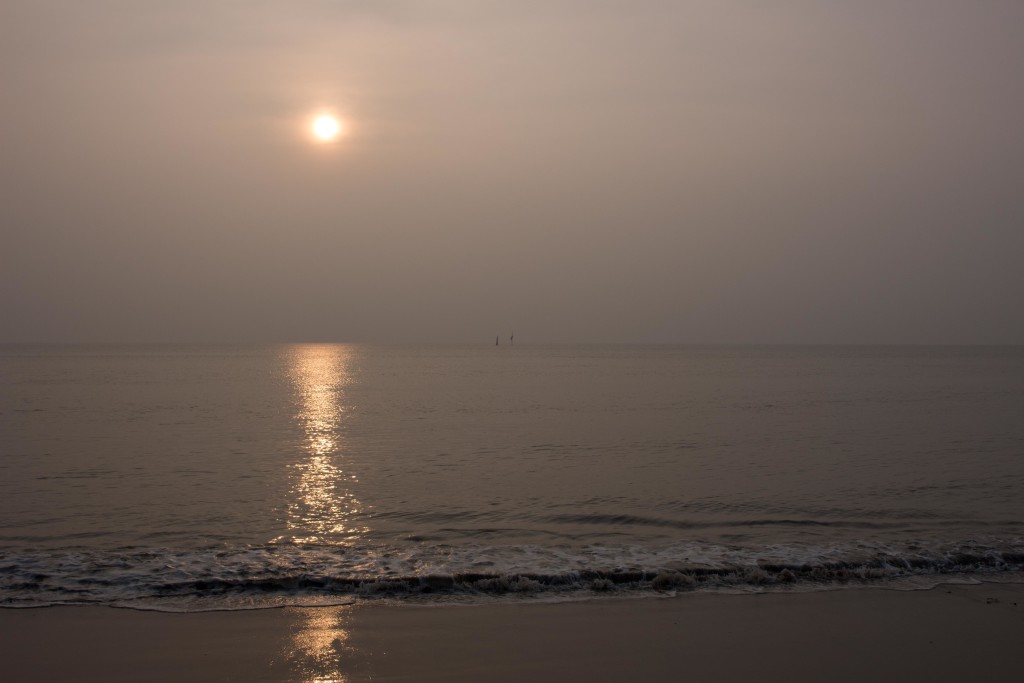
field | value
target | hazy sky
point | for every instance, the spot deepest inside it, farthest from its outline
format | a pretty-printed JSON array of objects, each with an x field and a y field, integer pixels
[{"x": 636, "y": 171}]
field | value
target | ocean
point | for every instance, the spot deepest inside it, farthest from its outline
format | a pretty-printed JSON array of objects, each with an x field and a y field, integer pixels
[{"x": 189, "y": 478}]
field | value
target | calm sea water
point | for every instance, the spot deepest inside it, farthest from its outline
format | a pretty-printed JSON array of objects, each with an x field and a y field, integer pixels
[{"x": 190, "y": 477}]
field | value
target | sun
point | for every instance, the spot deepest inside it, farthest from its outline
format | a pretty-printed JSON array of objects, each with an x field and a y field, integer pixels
[{"x": 326, "y": 128}]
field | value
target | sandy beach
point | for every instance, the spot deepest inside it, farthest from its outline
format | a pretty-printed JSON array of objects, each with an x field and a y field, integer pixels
[{"x": 950, "y": 633}]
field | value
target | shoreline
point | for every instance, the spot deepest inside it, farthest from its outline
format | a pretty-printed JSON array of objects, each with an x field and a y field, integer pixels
[{"x": 946, "y": 633}]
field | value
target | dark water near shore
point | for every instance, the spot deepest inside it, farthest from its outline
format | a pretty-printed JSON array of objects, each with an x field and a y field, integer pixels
[{"x": 190, "y": 477}]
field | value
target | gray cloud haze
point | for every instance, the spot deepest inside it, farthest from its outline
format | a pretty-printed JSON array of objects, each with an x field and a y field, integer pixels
[{"x": 708, "y": 171}]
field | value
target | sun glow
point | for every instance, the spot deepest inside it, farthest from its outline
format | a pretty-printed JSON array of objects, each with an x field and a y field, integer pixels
[{"x": 326, "y": 128}]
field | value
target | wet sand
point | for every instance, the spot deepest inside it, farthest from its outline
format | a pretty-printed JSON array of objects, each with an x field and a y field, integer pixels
[{"x": 951, "y": 633}]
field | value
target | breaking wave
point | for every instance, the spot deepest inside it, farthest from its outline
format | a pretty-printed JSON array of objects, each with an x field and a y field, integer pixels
[{"x": 279, "y": 575}]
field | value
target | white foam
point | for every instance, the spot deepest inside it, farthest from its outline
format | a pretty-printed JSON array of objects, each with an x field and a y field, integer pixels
[{"x": 280, "y": 575}]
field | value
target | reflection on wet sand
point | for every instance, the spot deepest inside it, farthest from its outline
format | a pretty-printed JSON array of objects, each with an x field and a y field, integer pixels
[
  {"x": 322, "y": 507},
  {"x": 318, "y": 645}
]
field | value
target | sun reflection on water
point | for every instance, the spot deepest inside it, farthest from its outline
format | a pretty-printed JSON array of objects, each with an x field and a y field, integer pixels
[{"x": 322, "y": 508}]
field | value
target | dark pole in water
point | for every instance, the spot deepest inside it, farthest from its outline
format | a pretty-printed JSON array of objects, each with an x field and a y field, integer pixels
[
  {"x": 512, "y": 339},
  {"x": 495, "y": 340}
]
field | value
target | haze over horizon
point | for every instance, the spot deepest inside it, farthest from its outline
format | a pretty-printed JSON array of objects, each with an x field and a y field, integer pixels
[{"x": 606, "y": 171}]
